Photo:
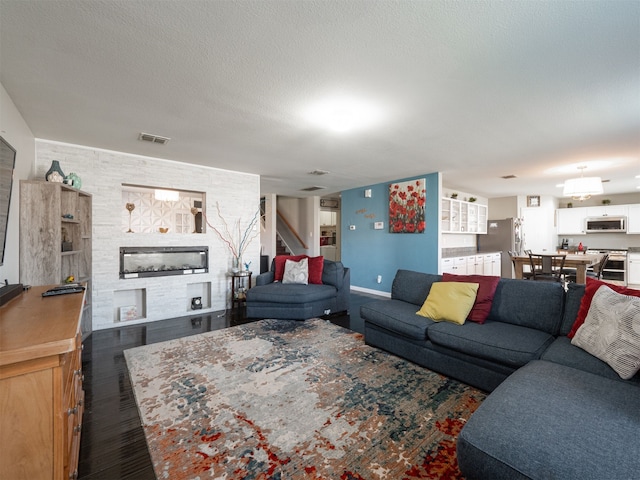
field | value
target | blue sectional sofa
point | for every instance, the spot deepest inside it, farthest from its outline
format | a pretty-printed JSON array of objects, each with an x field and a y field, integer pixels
[
  {"x": 555, "y": 411},
  {"x": 271, "y": 299}
]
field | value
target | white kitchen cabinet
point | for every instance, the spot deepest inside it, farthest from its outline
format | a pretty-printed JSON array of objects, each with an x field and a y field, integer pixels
[
  {"x": 458, "y": 216},
  {"x": 633, "y": 220},
  {"x": 475, "y": 265},
  {"x": 608, "y": 211},
  {"x": 327, "y": 218},
  {"x": 483, "y": 264},
  {"x": 457, "y": 265},
  {"x": 633, "y": 274},
  {"x": 571, "y": 221},
  {"x": 491, "y": 264}
]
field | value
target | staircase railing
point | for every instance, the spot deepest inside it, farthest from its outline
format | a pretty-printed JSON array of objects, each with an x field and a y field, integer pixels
[{"x": 294, "y": 236}]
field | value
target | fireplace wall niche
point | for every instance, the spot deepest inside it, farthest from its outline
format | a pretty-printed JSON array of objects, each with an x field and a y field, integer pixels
[{"x": 140, "y": 262}]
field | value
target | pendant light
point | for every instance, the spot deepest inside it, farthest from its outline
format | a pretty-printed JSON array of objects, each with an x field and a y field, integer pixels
[{"x": 583, "y": 187}]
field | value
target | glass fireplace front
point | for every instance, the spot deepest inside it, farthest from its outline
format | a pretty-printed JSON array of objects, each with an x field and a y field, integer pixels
[{"x": 138, "y": 262}]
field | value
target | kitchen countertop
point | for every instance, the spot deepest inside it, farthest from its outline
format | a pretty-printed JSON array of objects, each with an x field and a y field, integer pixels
[{"x": 466, "y": 254}]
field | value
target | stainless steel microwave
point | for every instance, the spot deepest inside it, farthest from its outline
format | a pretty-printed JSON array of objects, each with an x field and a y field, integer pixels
[{"x": 606, "y": 224}]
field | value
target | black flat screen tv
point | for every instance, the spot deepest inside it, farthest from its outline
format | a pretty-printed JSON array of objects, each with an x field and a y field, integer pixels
[{"x": 7, "y": 165}]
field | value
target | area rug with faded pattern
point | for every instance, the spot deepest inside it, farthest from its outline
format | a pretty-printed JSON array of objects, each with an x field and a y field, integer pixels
[{"x": 281, "y": 399}]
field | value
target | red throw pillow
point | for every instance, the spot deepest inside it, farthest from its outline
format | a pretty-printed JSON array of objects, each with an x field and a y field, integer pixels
[
  {"x": 280, "y": 261},
  {"x": 316, "y": 265},
  {"x": 590, "y": 290},
  {"x": 484, "y": 298}
]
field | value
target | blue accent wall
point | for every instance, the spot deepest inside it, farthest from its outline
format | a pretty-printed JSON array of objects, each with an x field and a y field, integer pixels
[{"x": 369, "y": 253}]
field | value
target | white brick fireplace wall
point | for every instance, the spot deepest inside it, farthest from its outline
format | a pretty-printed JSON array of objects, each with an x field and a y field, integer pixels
[{"x": 103, "y": 173}]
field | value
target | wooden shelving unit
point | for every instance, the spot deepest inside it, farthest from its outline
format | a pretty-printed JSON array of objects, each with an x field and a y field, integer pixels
[{"x": 45, "y": 224}]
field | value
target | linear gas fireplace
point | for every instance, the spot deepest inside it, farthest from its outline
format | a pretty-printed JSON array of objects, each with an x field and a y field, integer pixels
[{"x": 138, "y": 262}]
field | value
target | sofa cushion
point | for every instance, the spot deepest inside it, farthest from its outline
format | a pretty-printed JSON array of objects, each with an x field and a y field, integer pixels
[
  {"x": 412, "y": 287},
  {"x": 296, "y": 272},
  {"x": 561, "y": 351},
  {"x": 396, "y": 316},
  {"x": 449, "y": 302},
  {"x": 611, "y": 331},
  {"x": 290, "y": 293},
  {"x": 333, "y": 274},
  {"x": 486, "y": 291},
  {"x": 573, "y": 297},
  {"x": 279, "y": 263},
  {"x": 537, "y": 305},
  {"x": 552, "y": 421},
  {"x": 316, "y": 267},
  {"x": 503, "y": 343},
  {"x": 589, "y": 291}
]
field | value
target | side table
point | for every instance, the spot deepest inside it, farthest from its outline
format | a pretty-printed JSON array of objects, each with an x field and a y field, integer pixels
[{"x": 240, "y": 283}]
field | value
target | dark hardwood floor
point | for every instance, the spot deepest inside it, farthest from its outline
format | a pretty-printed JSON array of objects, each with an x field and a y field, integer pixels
[{"x": 113, "y": 444}]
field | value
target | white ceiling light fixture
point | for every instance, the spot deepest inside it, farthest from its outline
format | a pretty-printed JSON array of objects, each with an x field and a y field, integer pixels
[
  {"x": 343, "y": 114},
  {"x": 167, "y": 195},
  {"x": 583, "y": 187}
]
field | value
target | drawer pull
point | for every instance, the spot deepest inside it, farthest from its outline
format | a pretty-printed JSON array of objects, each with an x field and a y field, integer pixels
[
  {"x": 72, "y": 411},
  {"x": 77, "y": 429},
  {"x": 74, "y": 475}
]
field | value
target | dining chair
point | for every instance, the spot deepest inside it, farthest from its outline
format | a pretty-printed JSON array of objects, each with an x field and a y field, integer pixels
[
  {"x": 597, "y": 269},
  {"x": 526, "y": 275},
  {"x": 547, "y": 268}
]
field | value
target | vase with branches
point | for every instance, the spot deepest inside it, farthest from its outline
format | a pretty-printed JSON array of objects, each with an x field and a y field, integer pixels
[{"x": 234, "y": 237}]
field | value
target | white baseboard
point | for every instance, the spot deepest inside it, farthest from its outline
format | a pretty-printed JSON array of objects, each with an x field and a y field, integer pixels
[{"x": 371, "y": 291}]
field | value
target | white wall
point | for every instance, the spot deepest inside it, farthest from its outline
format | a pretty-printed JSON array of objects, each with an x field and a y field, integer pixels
[
  {"x": 503, "y": 207},
  {"x": 103, "y": 173},
  {"x": 17, "y": 133}
]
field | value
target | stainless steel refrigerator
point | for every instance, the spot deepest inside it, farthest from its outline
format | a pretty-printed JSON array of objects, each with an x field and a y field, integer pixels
[{"x": 502, "y": 236}]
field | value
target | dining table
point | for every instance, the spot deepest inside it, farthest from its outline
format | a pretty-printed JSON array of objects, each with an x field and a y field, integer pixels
[{"x": 579, "y": 261}]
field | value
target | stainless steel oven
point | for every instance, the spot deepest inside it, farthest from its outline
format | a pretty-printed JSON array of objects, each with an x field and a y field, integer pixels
[{"x": 615, "y": 271}]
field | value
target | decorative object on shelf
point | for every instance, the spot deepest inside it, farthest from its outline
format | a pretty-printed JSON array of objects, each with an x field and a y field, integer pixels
[
  {"x": 55, "y": 173},
  {"x": 569, "y": 205},
  {"x": 533, "y": 200},
  {"x": 454, "y": 195},
  {"x": 67, "y": 246},
  {"x": 236, "y": 242},
  {"x": 472, "y": 199},
  {"x": 73, "y": 180},
  {"x": 196, "y": 303},
  {"x": 583, "y": 187},
  {"x": 406, "y": 206},
  {"x": 131, "y": 207},
  {"x": 129, "y": 312},
  {"x": 69, "y": 279},
  {"x": 163, "y": 229},
  {"x": 246, "y": 266},
  {"x": 194, "y": 212},
  {"x": 606, "y": 201},
  {"x": 67, "y": 216}
]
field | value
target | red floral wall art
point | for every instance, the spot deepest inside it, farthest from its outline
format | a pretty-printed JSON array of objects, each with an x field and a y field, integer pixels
[{"x": 406, "y": 206}]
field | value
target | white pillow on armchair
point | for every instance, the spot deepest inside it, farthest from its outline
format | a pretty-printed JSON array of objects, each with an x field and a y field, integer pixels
[{"x": 296, "y": 272}]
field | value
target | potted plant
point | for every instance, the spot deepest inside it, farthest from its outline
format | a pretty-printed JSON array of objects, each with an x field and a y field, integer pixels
[
  {"x": 606, "y": 201},
  {"x": 454, "y": 195},
  {"x": 472, "y": 199}
]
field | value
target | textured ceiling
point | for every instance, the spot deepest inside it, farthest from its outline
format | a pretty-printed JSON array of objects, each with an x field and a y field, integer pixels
[{"x": 474, "y": 89}]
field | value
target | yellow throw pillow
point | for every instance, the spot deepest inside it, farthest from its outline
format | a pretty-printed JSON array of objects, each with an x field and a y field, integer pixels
[{"x": 449, "y": 301}]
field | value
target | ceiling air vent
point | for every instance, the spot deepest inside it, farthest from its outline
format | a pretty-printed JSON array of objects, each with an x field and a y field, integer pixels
[
  {"x": 318, "y": 172},
  {"x": 312, "y": 189},
  {"x": 508, "y": 177},
  {"x": 148, "y": 137}
]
